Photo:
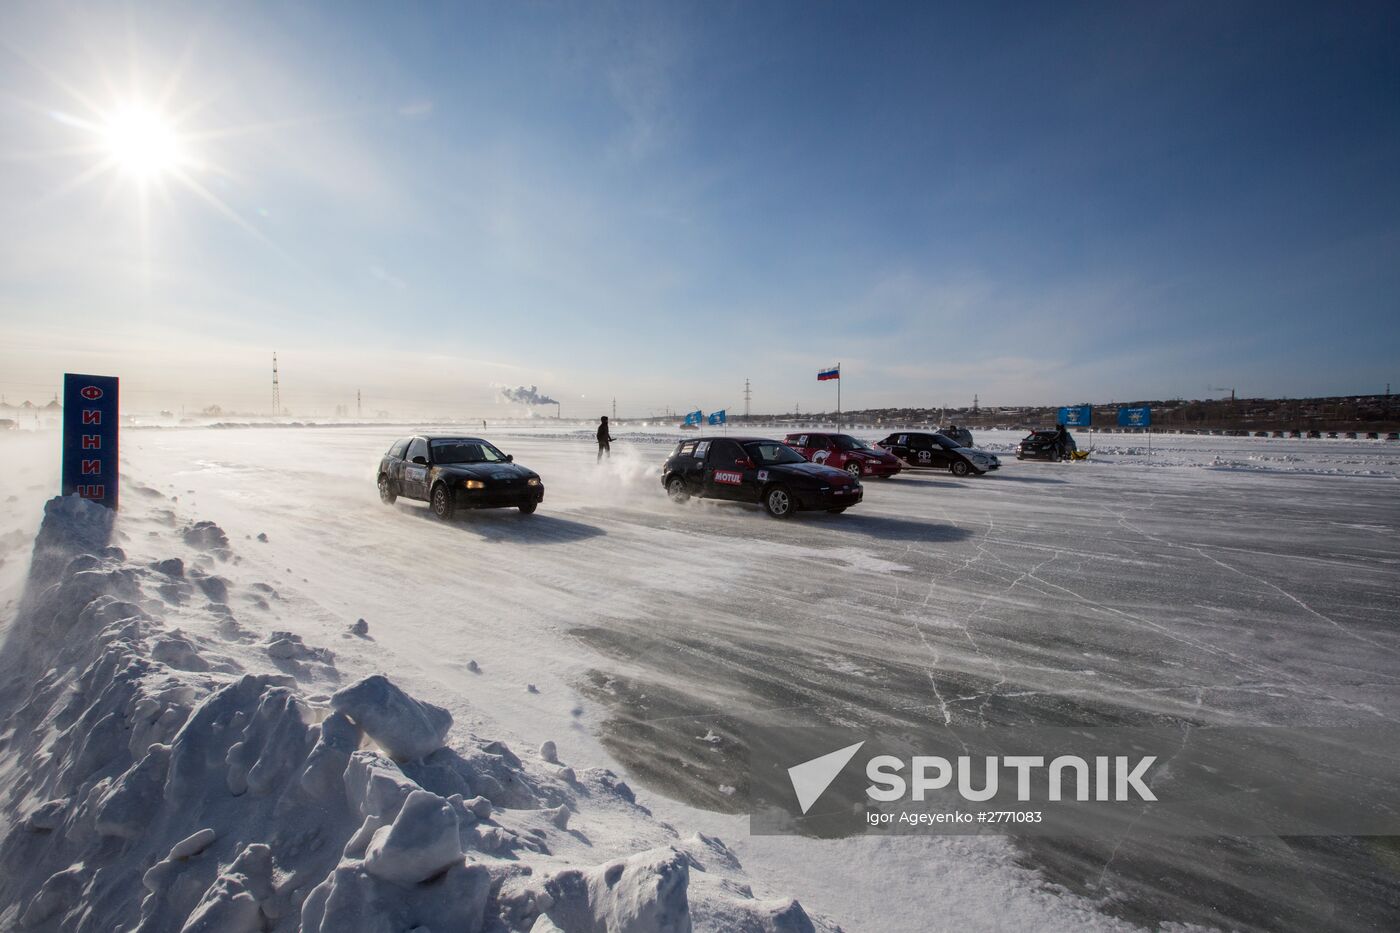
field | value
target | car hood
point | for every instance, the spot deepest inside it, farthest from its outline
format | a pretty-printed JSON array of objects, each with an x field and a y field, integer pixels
[
  {"x": 485, "y": 471},
  {"x": 980, "y": 452},
  {"x": 811, "y": 472}
]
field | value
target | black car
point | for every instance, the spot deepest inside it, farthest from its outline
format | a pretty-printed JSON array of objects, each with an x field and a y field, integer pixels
[
  {"x": 939, "y": 452},
  {"x": 452, "y": 473},
  {"x": 1046, "y": 445},
  {"x": 756, "y": 469}
]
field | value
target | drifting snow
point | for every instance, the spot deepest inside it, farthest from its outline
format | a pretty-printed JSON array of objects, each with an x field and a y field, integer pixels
[{"x": 158, "y": 784}]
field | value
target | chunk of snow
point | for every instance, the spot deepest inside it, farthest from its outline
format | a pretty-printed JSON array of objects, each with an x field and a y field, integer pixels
[{"x": 404, "y": 727}]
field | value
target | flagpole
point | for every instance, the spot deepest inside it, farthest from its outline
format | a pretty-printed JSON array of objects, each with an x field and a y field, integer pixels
[{"x": 838, "y": 395}]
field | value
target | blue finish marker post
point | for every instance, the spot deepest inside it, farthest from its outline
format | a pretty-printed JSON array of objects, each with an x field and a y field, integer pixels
[
  {"x": 90, "y": 438},
  {"x": 1138, "y": 418}
]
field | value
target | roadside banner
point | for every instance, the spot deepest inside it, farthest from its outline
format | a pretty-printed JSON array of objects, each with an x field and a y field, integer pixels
[
  {"x": 90, "y": 438},
  {"x": 695, "y": 417},
  {"x": 718, "y": 417},
  {"x": 1134, "y": 417},
  {"x": 1077, "y": 416}
]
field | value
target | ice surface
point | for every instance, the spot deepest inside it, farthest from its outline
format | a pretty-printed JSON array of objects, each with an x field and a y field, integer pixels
[{"x": 1228, "y": 580}]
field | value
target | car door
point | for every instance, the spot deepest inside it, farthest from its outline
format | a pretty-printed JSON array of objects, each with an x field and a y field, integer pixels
[
  {"x": 393, "y": 463},
  {"x": 415, "y": 470},
  {"x": 693, "y": 466},
  {"x": 819, "y": 448},
  {"x": 728, "y": 472},
  {"x": 920, "y": 450}
]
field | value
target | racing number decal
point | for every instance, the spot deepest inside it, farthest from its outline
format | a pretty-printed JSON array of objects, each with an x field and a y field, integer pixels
[
  {"x": 762, "y": 476},
  {"x": 417, "y": 473},
  {"x": 820, "y": 456},
  {"x": 729, "y": 477}
]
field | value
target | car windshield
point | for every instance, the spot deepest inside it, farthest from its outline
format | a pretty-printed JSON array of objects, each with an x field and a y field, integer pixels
[
  {"x": 846, "y": 442},
  {"x": 771, "y": 453},
  {"x": 465, "y": 451}
]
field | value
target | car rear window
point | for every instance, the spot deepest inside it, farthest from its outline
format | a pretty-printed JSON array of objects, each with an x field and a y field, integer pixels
[{"x": 685, "y": 449}]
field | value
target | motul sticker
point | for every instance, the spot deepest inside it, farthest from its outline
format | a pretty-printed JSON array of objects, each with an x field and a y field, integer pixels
[{"x": 728, "y": 477}]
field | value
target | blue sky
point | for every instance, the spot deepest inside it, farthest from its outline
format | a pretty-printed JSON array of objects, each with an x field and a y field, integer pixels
[{"x": 1036, "y": 203}]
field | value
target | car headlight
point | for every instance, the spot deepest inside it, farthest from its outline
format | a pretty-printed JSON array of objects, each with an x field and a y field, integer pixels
[
  {"x": 474, "y": 484},
  {"x": 532, "y": 481}
]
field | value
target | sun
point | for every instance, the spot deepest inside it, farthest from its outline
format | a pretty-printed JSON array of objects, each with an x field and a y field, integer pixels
[{"x": 142, "y": 142}]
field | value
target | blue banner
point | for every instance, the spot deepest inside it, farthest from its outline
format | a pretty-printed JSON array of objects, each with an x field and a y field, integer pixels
[
  {"x": 695, "y": 417},
  {"x": 1134, "y": 417},
  {"x": 90, "y": 438},
  {"x": 1077, "y": 416},
  {"x": 717, "y": 417}
]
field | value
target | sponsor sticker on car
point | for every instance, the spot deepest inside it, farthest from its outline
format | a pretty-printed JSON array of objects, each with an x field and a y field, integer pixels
[
  {"x": 762, "y": 475},
  {"x": 729, "y": 477}
]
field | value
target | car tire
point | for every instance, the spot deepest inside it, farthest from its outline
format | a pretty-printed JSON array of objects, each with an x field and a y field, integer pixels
[
  {"x": 386, "y": 491},
  {"x": 528, "y": 508},
  {"x": 779, "y": 502},
  {"x": 960, "y": 468},
  {"x": 853, "y": 469},
  {"x": 440, "y": 500},
  {"x": 675, "y": 488}
]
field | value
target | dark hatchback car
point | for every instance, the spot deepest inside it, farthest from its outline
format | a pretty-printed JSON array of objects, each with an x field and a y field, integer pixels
[
  {"x": 451, "y": 473},
  {"x": 1046, "y": 445},
  {"x": 756, "y": 469},
  {"x": 939, "y": 452}
]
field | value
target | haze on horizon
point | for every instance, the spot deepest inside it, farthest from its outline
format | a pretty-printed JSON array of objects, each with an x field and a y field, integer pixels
[{"x": 1038, "y": 205}]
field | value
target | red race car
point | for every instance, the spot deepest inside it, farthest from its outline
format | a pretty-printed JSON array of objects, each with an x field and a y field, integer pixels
[{"x": 847, "y": 453}]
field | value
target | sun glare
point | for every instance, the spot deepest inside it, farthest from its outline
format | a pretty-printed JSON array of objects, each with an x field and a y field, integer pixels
[{"x": 143, "y": 142}]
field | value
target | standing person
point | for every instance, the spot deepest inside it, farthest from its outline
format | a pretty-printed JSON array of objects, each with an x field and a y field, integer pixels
[{"x": 604, "y": 439}]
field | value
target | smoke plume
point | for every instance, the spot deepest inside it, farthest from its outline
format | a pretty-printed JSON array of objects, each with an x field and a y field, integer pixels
[{"x": 526, "y": 395}]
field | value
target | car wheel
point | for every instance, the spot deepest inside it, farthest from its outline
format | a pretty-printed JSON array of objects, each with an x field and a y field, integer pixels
[
  {"x": 960, "y": 468},
  {"x": 386, "y": 491},
  {"x": 528, "y": 508},
  {"x": 676, "y": 490},
  {"x": 779, "y": 503},
  {"x": 853, "y": 469},
  {"x": 441, "y": 500}
]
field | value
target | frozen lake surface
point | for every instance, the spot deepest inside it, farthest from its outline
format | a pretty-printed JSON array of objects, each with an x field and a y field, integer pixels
[{"x": 1236, "y": 581}]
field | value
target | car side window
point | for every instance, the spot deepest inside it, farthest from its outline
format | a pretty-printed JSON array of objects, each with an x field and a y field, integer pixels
[
  {"x": 802, "y": 441},
  {"x": 398, "y": 449},
  {"x": 701, "y": 448},
  {"x": 725, "y": 455},
  {"x": 419, "y": 448}
]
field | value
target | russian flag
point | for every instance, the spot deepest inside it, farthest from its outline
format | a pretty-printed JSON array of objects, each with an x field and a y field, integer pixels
[{"x": 833, "y": 372}]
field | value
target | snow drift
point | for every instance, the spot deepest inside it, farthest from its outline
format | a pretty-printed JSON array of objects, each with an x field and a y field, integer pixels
[{"x": 156, "y": 784}]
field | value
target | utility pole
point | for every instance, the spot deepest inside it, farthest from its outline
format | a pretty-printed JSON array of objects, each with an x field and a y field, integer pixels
[
  {"x": 614, "y": 417},
  {"x": 748, "y": 395},
  {"x": 276, "y": 388},
  {"x": 359, "y": 408}
]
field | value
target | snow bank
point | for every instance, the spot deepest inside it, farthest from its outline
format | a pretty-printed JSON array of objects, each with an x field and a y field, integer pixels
[{"x": 155, "y": 785}]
